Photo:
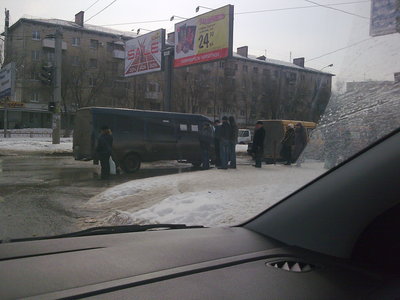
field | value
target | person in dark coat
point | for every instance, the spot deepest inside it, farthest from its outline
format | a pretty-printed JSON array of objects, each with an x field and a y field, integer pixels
[
  {"x": 205, "y": 139},
  {"x": 258, "y": 143},
  {"x": 224, "y": 137},
  {"x": 300, "y": 142},
  {"x": 217, "y": 128},
  {"x": 287, "y": 143},
  {"x": 103, "y": 150},
  {"x": 232, "y": 142}
]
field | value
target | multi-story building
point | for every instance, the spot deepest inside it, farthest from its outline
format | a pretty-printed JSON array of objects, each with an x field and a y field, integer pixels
[
  {"x": 92, "y": 68},
  {"x": 243, "y": 86}
]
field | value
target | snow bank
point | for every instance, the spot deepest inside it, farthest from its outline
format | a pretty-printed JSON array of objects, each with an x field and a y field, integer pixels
[
  {"x": 210, "y": 198},
  {"x": 18, "y": 145}
]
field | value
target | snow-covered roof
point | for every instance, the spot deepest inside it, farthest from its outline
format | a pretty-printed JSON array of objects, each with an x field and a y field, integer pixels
[
  {"x": 278, "y": 62},
  {"x": 86, "y": 27}
]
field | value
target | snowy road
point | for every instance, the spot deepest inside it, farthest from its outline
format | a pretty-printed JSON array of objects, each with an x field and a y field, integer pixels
[{"x": 44, "y": 195}]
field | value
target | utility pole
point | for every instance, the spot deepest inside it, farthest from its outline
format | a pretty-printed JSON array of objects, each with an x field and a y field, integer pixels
[
  {"x": 6, "y": 25},
  {"x": 56, "y": 123}
]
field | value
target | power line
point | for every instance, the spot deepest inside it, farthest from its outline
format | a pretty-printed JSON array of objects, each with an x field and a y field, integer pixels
[
  {"x": 343, "y": 11},
  {"x": 299, "y": 7},
  {"x": 247, "y": 12},
  {"x": 340, "y": 49},
  {"x": 91, "y": 5},
  {"x": 101, "y": 11},
  {"x": 139, "y": 22}
]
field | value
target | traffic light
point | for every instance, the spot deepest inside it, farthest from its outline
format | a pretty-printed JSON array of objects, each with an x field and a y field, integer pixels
[
  {"x": 52, "y": 106},
  {"x": 46, "y": 75}
]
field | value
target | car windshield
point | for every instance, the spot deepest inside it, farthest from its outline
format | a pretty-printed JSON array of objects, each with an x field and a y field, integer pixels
[{"x": 126, "y": 113}]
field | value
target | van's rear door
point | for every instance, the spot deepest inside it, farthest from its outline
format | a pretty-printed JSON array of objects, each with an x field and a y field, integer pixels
[{"x": 83, "y": 134}]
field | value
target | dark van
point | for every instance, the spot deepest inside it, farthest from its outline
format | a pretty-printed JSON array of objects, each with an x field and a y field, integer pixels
[{"x": 139, "y": 135}]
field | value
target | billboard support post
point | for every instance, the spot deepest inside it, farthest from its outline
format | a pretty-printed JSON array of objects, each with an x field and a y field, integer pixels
[{"x": 168, "y": 75}]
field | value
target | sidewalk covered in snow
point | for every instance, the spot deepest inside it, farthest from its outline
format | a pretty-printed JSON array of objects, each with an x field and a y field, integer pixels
[{"x": 210, "y": 198}]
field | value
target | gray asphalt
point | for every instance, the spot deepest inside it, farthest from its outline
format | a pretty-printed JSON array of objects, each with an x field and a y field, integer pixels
[{"x": 43, "y": 195}]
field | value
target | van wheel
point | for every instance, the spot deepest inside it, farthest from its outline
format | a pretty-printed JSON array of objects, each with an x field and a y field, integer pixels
[
  {"x": 131, "y": 163},
  {"x": 196, "y": 164}
]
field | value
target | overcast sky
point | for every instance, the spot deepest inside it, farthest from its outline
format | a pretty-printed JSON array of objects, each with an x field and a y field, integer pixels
[{"x": 305, "y": 32}]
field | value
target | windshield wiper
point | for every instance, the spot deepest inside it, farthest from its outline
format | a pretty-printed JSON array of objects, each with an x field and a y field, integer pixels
[{"x": 108, "y": 230}]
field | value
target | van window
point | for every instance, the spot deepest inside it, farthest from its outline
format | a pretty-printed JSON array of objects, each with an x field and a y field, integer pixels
[
  {"x": 183, "y": 127},
  {"x": 161, "y": 131},
  {"x": 195, "y": 128}
]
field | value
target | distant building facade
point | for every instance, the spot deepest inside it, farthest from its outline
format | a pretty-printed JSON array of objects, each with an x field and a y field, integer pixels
[
  {"x": 92, "y": 68},
  {"x": 243, "y": 86}
]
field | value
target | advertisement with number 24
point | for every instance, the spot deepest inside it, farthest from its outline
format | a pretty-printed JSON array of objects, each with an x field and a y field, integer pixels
[{"x": 204, "y": 38}]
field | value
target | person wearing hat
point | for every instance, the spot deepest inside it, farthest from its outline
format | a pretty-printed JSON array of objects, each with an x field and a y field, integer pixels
[
  {"x": 287, "y": 143},
  {"x": 258, "y": 143},
  {"x": 103, "y": 150},
  {"x": 224, "y": 138}
]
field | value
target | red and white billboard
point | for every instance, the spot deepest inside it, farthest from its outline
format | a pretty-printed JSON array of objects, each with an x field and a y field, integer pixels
[
  {"x": 143, "y": 54},
  {"x": 204, "y": 38}
]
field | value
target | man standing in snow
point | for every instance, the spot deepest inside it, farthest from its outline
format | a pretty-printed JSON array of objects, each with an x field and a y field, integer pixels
[
  {"x": 224, "y": 138},
  {"x": 287, "y": 143},
  {"x": 205, "y": 138},
  {"x": 258, "y": 143},
  {"x": 104, "y": 149},
  {"x": 217, "y": 127}
]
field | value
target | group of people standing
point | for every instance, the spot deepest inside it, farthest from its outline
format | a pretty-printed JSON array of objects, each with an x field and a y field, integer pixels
[
  {"x": 293, "y": 143},
  {"x": 225, "y": 137}
]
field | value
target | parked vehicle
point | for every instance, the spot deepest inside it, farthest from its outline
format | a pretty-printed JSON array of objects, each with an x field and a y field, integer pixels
[
  {"x": 139, "y": 136},
  {"x": 275, "y": 131},
  {"x": 245, "y": 136}
]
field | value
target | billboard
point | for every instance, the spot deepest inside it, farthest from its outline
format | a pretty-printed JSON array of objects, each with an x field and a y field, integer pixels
[
  {"x": 204, "y": 38},
  {"x": 7, "y": 80},
  {"x": 385, "y": 17},
  {"x": 143, "y": 54}
]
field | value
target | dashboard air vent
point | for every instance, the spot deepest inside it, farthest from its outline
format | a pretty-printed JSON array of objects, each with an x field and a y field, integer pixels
[{"x": 291, "y": 265}]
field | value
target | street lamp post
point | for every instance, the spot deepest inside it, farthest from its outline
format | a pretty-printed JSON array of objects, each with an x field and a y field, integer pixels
[
  {"x": 198, "y": 8},
  {"x": 178, "y": 17},
  {"x": 328, "y": 66}
]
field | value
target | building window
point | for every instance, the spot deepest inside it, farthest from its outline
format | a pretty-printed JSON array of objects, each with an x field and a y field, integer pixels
[
  {"x": 114, "y": 66},
  {"x": 50, "y": 56},
  {"x": 75, "y": 60},
  {"x": 221, "y": 64},
  {"x": 110, "y": 47},
  {"x": 245, "y": 69},
  {"x": 34, "y": 75},
  {"x": 236, "y": 67},
  {"x": 209, "y": 110},
  {"x": 266, "y": 72},
  {"x": 94, "y": 44},
  {"x": 35, "y": 55},
  {"x": 242, "y": 113},
  {"x": 36, "y": 35},
  {"x": 92, "y": 81},
  {"x": 153, "y": 87},
  {"x": 76, "y": 41},
  {"x": 93, "y": 63},
  {"x": 276, "y": 74},
  {"x": 34, "y": 97},
  {"x": 255, "y": 70}
]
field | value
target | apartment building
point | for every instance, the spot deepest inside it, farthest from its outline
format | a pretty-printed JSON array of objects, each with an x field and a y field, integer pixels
[{"x": 93, "y": 62}]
